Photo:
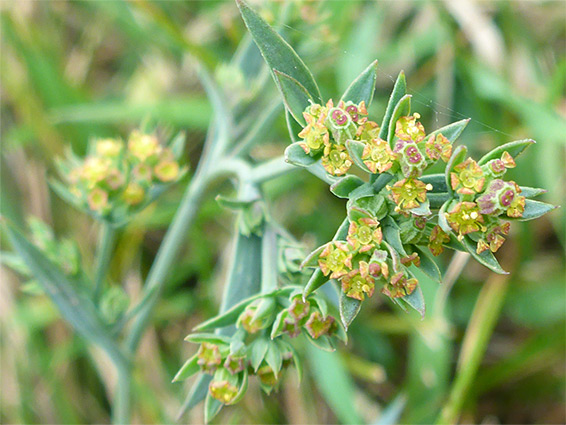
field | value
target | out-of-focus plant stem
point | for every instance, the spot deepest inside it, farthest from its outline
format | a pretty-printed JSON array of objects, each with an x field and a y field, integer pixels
[
  {"x": 483, "y": 320},
  {"x": 103, "y": 254},
  {"x": 121, "y": 402}
]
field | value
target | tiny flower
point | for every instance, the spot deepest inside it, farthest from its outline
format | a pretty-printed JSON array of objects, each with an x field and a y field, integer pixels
[
  {"x": 359, "y": 282},
  {"x": 133, "y": 194},
  {"x": 377, "y": 264},
  {"x": 234, "y": 364},
  {"x": 223, "y": 391},
  {"x": 318, "y": 112},
  {"x": 291, "y": 327},
  {"x": 143, "y": 172},
  {"x": 412, "y": 161},
  {"x": 336, "y": 160},
  {"x": 167, "y": 171},
  {"x": 468, "y": 178},
  {"x": 143, "y": 146},
  {"x": 299, "y": 308},
  {"x": 377, "y": 155},
  {"x": 94, "y": 170},
  {"x": 497, "y": 167},
  {"x": 438, "y": 147},
  {"x": 98, "y": 200},
  {"x": 246, "y": 320},
  {"x": 108, "y": 147},
  {"x": 368, "y": 130},
  {"x": 411, "y": 259},
  {"x": 315, "y": 135},
  {"x": 115, "y": 179},
  {"x": 356, "y": 112},
  {"x": 267, "y": 376},
  {"x": 501, "y": 196},
  {"x": 364, "y": 234},
  {"x": 465, "y": 218},
  {"x": 494, "y": 237},
  {"x": 409, "y": 193},
  {"x": 209, "y": 357},
  {"x": 335, "y": 260},
  {"x": 316, "y": 326},
  {"x": 340, "y": 124},
  {"x": 409, "y": 129},
  {"x": 399, "y": 286},
  {"x": 436, "y": 240}
]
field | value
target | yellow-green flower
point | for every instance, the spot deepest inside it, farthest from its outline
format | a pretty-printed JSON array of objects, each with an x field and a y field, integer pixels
[
  {"x": 409, "y": 129},
  {"x": 167, "y": 171},
  {"x": 335, "y": 259},
  {"x": 317, "y": 326},
  {"x": 94, "y": 170},
  {"x": 315, "y": 135},
  {"x": 109, "y": 147},
  {"x": 468, "y": 178},
  {"x": 223, "y": 391},
  {"x": 209, "y": 357},
  {"x": 399, "y": 286},
  {"x": 143, "y": 146},
  {"x": 438, "y": 147},
  {"x": 437, "y": 240},
  {"x": 377, "y": 155},
  {"x": 336, "y": 160},
  {"x": 133, "y": 194},
  {"x": 364, "y": 234},
  {"x": 368, "y": 130},
  {"x": 98, "y": 200},
  {"x": 409, "y": 193},
  {"x": 493, "y": 237},
  {"x": 465, "y": 218},
  {"x": 358, "y": 283}
]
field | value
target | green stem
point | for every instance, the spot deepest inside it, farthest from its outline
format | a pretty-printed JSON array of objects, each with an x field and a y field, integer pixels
[
  {"x": 480, "y": 328},
  {"x": 166, "y": 256},
  {"x": 103, "y": 255},
  {"x": 121, "y": 402},
  {"x": 271, "y": 169}
]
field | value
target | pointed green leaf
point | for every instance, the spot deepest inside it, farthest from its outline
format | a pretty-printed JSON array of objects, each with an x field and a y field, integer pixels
[
  {"x": 227, "y": 318},
  {"x": 442, "y": 222},
  {"x": 451, "y": 131},
  {"x": 293, "y": 127},
  {"x": 362, "y": 88},
  {"x": 438, "y": 182},
  {"x": 198, "y": 393},
  {"x": 212, "y": 338},
  {"x": 355, "y": 213},
  {"x": 345, "y": 185},
  {"x": 190, "y": 367},
  {"x": 513, "y": 148},
  {"x": 296, "y": 155},
  {"x": 428, "y": 264},
  {"x": 535, "y": 209},
  {"x": 392, "y": 234},
  {"x": 295, "y": 96},
  {"x": 296, "y": 359},
  {"x": 349, "y": 309},
  {"x": 422, "y": 210},
  {"x": 458, "y": 156},
  {"x": 532, "y": 192},
  {"x": 399, "y": 90},
  {"x": 356, "y": 150},
  {"x": 416, "y": 300},
  {"x": 277, "y": 52},
  {"x": 312, "y": 259},
  {"x": 486, "y": 257},
  {"x": 242, "y": 388},
  {"x": 258, "y": 349},
  {"x": 211, "y": 408},
  {"x": 323, "y": 342},
  {"x": 436, "y": 200},
  {"x": 273, "y": 358},
  {"x": 403, "y": 108}
]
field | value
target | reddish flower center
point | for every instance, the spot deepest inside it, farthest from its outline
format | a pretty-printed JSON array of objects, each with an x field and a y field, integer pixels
[
  {"x": 339, "y": 117},
  {"x": 507, "y": 198}
]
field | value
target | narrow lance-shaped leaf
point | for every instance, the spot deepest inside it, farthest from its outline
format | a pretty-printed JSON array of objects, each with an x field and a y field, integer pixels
[
  {"x": 356, "y": 150},
  {"x": 198, "y": 393},
  {"x": 277, "y": 52},
  {"x": 428, "y": 264},
  {"x": 513, "y": 148},
  {"x": 399, "y": 90},
  {"x": 531, "y": 192},
  {"x": 295, "y": 96},
  {"x": 403, "y": 108},
  {"x": 362, "y": 88},
  {"x": 211, "y": 408},
  {"x": 535, "y": 209},
  {"x": 190, "y": 367},
  {"x": 345, "y": 185},
  {"x": 227, "y": 318},
  {"x": 416, "y": 300},
  {"x": 451, "y": 131}
]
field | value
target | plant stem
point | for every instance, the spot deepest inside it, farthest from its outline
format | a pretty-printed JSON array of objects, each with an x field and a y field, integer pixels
[
  {"x": 271, "y": 169},
  {"x": 480, "y": 328},
  {"x": 103, "y": 254},
  {"x": 167, "y": 254},
  {"x": 121, "y": 402}
]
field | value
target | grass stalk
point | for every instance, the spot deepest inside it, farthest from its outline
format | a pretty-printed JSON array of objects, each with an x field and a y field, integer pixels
[{"x": 103, "y": 255}]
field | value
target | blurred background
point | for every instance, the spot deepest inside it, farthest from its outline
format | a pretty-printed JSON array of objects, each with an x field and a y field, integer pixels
[{"x": 70, "y": 71}]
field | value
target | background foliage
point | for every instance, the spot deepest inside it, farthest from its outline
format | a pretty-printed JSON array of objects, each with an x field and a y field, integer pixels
[{"x": 72, "y": 70}]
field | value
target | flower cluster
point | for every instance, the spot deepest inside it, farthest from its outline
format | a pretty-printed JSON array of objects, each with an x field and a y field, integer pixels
[
  {"x": 364, "y": 259},
  {"x": 260, "y": 345},
  {"x": 484, "y": 201},
  {"x": 120, "y": 178}
]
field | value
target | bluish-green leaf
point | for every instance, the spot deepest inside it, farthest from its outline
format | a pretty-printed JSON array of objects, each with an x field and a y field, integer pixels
[
  {"x": 403, "y": 108},
  {"x": 227, "y": 318},
  {"x": 211, "y": 408},
  {"x": 362, "y": 88},
  {"x": 349, "y": 309},
  {"x": 274, "y": 358},
  {"x": 399, "y": 90},
  {"x": 277, "y": 52},
  {"x": 532, "y": 192},
  {"x": 190, "y": 367},
  {"x": 345, "y": 185},
  {"x": 212, "y": 338},
  {"x": 323, "y": 342},
  {"x": 535, "y": 209},
  {"x": 416, "y": 300},
  {"x": 258, "y": 350},
  {"x": 295, "y": 96},
  {"x": 513, "y": 148},
  {"x": 296, "y": 155},
  {"x": 311, "y": 260},
  {"x": 458, "y": 156},
  {"x": 451, "y": 131},
  {"x": 392, "y": 234},
  {"x": 356, "y": 150},
  {"x": 438, "y": 182},
  {"x": 198, "y": 393},
  {"x": 428, "y": 264}
]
